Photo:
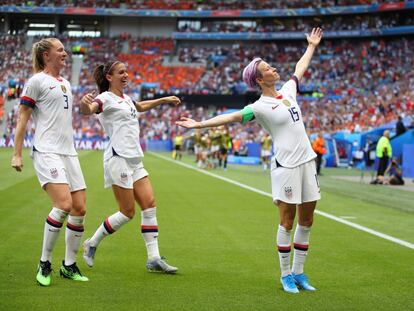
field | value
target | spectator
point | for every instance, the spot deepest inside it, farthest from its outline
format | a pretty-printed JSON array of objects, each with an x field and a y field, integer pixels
[{"x": 399, "y": 127}]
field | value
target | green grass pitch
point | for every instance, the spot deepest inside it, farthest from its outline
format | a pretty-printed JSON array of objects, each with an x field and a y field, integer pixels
[{"x": 221, "y": 237}]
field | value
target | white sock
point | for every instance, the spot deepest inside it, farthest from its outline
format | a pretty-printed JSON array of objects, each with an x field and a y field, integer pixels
[
  {"x": 73, "y": 236},
  {"x": 301, "y": 245},
  {"x": 283, "y": 246},
  {"x": 53, "y": 224},
  {"x": 149, "y": 231},
  {"x": 109, "y": 226}
]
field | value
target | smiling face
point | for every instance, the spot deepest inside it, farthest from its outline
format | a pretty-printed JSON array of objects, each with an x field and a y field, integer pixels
[
  {"x": 267, "y": 75},
  {"x": 56, "y": 56},
  {"x": 118, "y": 78}
]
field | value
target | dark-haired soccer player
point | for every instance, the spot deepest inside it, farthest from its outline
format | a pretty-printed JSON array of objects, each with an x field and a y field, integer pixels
[{"x": 123, "y": 166}]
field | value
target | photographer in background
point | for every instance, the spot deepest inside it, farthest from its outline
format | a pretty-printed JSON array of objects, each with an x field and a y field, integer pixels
[{"x": 395, "y": 174}]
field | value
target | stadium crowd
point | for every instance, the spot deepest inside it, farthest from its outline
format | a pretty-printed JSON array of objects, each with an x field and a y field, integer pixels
[
  {"x": 352, "y": 85},
  {"x": 352, "y": 22},
  {"x": 197, "y": 4}
]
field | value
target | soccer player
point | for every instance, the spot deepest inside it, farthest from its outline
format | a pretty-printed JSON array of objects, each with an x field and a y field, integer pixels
[
  {"x": 266, "y": 151},
  {"x": 225, "y": 145},
  {"x": 48, "y": 98},
  {"x": 123, "y": 166},
  {"x": 295, "y": 186},
  {"x": 178, "y": 145}
]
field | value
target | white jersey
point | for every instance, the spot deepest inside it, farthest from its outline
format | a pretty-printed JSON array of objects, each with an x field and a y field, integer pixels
[
  {"x": 51, "y": 100},
  {"x": 119, "y": 118},
  {"x": 282, "y": 118}
]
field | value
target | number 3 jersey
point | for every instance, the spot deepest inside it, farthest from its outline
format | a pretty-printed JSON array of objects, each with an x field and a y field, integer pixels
[
  {"x": 51, "y": 100},
  {"x": 119, "y": 118},
  {"x": 282, "y": 118}
]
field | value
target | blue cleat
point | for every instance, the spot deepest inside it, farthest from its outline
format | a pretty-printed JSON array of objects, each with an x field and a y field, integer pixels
[
  {"x": 288, "y": 284},
  {"x": 302, "y": 281}
]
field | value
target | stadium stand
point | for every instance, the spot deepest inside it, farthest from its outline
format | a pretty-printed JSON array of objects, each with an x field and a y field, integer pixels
[{"x": 360, "y": 79}]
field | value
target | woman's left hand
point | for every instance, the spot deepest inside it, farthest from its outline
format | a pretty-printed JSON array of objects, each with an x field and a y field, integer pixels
[{"x": 315, "y": 37}]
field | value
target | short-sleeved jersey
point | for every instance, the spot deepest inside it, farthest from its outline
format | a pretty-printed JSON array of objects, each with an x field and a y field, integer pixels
[
  {"x": 282, "y": 118},
  {"x": 119, "y": 118},
  {"x": 51, "y": 100}
]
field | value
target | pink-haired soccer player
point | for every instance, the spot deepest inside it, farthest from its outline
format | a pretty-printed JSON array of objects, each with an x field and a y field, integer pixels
[{"x": 295, "y": 186}]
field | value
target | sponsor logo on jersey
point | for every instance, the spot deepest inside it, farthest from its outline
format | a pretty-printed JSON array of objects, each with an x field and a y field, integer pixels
[
  {"x": 288, "y": 192},
  {"x": 274, "y": 107},
  {"x": 286, "y": 102},
  {"x": 124, "y": 177},
  {"x": 52, "y": 87},
  {"x": 63, "y": 88},
  {"x": 54, "y": 172}
]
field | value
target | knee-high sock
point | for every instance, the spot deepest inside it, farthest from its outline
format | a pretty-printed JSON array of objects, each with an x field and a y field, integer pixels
[
  {"x": 109, "y": 226},
  {"x": 149, "y": 231},
  {"x": 53, "y": 224},
  {"x": 73, "y": 236},
  {"x": 283, "y": 246},
  {"x": 301, "y": 245}
]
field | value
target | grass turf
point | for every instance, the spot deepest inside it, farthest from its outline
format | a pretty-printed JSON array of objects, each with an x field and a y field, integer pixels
[{"x": 220, "y": 236}]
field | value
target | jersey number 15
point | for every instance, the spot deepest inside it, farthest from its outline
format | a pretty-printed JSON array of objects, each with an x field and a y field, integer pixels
[{"x": 294, "y": 114}]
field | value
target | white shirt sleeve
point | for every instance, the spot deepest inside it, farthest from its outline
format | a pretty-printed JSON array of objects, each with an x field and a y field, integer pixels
[
  {"x": 31, "y": 93},
  {"x": 291, "y": 87}
]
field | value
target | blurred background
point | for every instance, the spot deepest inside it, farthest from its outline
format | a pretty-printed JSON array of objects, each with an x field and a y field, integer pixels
[{"x": 360, "y": 81}]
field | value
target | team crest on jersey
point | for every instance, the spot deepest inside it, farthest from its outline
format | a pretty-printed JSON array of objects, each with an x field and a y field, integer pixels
[
  {"x": 288, "y": 192},
  {"x": 54, "y": 172},
  {"x": 63, "y": 88},
  {"x": 286, "y": 102},
  {"x": 124, "y": 177}
]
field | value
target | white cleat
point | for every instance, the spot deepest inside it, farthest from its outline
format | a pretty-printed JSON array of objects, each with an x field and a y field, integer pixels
[
  {"x": 88, "y": 253},
  {"x": 160, "y": 265}
]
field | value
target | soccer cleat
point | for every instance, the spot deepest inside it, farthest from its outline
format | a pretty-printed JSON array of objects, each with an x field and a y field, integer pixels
[
  {"x": 44, "y": 271},
  {"x": 72, "y": 272},
  {"x": 160, "y": 265},
  {"x": 288, "y": 284},
  {"x": 302, "y": 281},
  {"x": 88, "y": 253}
]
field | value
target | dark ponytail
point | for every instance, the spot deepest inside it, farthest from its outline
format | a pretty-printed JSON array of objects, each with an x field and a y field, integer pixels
[{"x": 99, "y": 75}]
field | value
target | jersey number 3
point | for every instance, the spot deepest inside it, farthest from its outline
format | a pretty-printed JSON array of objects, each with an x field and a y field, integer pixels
[
  {"x": 66, "y": 102},
  {"x": 294, "y": 114}
]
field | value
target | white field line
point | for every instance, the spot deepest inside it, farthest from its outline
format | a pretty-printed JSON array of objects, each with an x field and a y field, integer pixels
[{"x": 332, "y": 217}]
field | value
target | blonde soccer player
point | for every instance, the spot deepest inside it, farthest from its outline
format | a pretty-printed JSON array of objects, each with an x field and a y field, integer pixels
[
  {"x": 295, "y": 186},
  {"x": 123, "y": 166},
  {"x": 47, "y": 98}
]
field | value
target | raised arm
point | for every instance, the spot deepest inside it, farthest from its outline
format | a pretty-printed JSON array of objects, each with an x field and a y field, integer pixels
[
  {"x": 24, "y": 115},
  {"x": 88, "y": 105},
  {"x": 313, "y": 40},
  {"x": 213, "y": 122},
  {"x": 149, "y": 104}
]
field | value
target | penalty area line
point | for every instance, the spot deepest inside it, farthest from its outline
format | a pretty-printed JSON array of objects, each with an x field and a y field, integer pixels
[{"x": 318, "y": 212}]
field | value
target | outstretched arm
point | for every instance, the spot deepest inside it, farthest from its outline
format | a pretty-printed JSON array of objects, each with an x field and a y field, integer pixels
[
  {"x": 149, "y": 104},
  {"x": 213, "y": 122},
  {"x": 24, "y": 115},
  {"x": 313, "y": 39},
  {"x": 88, "y": 105}
]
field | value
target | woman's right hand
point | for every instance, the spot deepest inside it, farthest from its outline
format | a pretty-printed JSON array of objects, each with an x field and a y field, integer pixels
[
  {"x": 88, "y": 98},
  {"x": 17, "y": 163},
  {"x": 188, "y": 123}
]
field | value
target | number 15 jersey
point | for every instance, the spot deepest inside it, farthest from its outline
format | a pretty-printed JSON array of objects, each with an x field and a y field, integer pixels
[
  {"x": 282, "y": 118},
  {"x": 51, "y": 100}
]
